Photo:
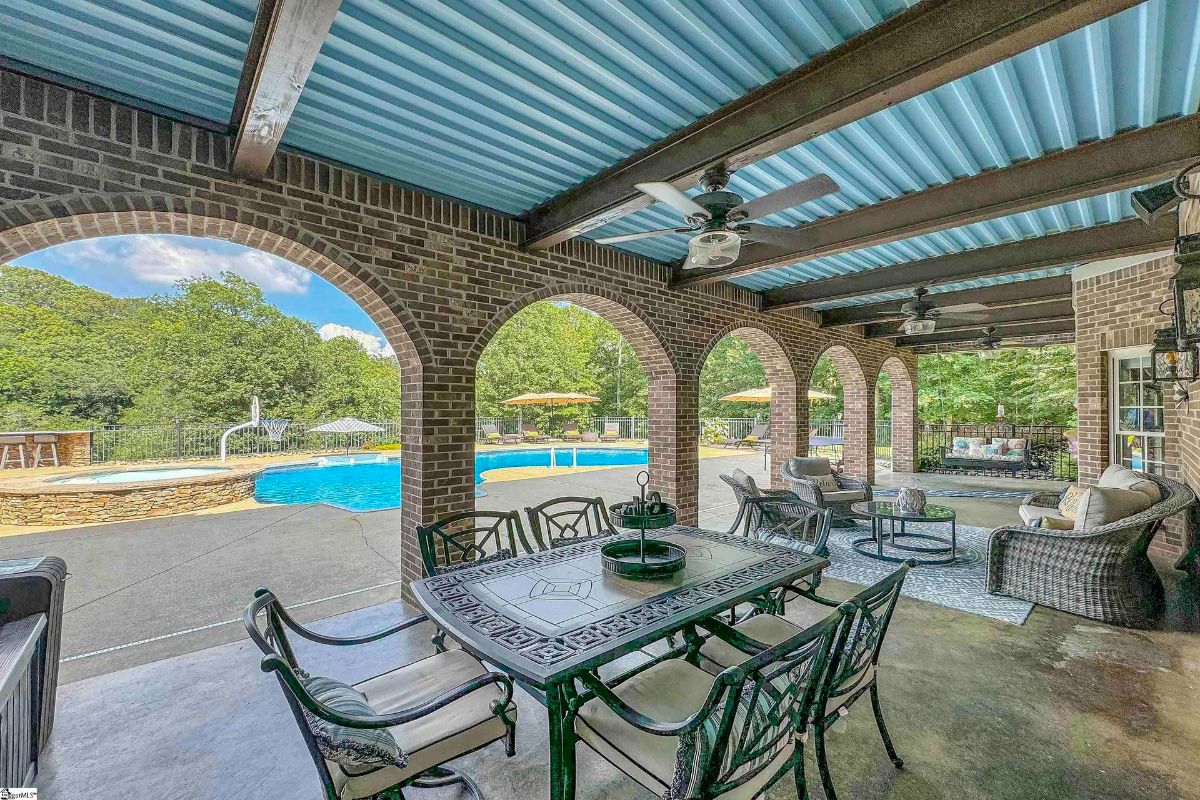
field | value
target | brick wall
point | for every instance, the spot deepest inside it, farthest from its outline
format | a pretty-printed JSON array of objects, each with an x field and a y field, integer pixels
[
  {"x": 1116, "y": 310},
  {"x": 437, "y": 276}
]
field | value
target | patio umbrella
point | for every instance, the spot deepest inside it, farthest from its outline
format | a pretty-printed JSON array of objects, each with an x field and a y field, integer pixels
[
  {"x": 763, "y": 395},
  {"x": 346, "y": 425},
  {"x": 550, "y": 399}
]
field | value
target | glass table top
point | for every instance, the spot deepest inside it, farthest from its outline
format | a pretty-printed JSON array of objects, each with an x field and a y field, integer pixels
[{"x": 889, "y": 509}]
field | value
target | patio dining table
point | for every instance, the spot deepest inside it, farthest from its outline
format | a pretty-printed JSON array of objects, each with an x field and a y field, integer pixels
[{"x": 548, "y": 617}]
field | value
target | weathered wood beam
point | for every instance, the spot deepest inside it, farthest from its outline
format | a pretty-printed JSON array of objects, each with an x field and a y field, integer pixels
[
  {"x": 284, "y": 45},
  {"x": 1000, "y": 318},
  {"x": 921, "y": 48},
  {"x": 1018, "y": 293},
  {"x": 1131, "y": 237},
  {"x": 1124, "y": 161},
  {"x": 968, "y": 336}
]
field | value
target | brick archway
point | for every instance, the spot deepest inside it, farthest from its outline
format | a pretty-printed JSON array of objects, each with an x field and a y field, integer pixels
[
  {"x": 34, "y": 226},
  {"x": 672, "y": 412},
  {"x": 858, "y": 411},
  {"x": 904, "y": 415},
  {"x": 786, "y": 415}
]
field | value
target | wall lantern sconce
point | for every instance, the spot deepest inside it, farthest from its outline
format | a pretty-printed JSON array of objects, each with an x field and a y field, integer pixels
[
  {"x": 1185, "y": 287},
  {"x": 1171, "y": 360}
]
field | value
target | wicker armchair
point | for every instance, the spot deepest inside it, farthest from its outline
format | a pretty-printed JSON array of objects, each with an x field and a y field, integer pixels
[
  {"x": 1102, "y": 573},
  {"x": 800, "y": 475}
]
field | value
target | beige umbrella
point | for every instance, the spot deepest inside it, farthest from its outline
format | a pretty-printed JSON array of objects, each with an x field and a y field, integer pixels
[
  {"x": 763, "y": 395},
  {"x": 550, "y": 399}
]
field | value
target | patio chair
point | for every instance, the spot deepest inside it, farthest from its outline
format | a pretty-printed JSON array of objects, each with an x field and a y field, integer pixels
[
  {"x": 589, "y": 436},
  {"x": 470, "y": 538},
  {"x": 395, "y": 730},
  {"x": 852, "y": 670},
  {"x": 1102, "y": 572},
  {"x": 571, "y": 432},
  {"x": 779, "y": 516},
  {"x": 814, "y": 481},
  {"x": 612, "y": 432},
  {"x": 569, "y": 520},
  {"x": 681, "y": 734},
  {"x": 530, "y": 433},
  {"x": 490, "y": 434}
]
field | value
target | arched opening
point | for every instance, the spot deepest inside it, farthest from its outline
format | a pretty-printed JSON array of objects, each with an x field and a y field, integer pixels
[
  {"x": 626, "y": 366},
  {"x": 896, "y": 402},
  {"x": 845, "y": 418},
  {"x": 748, "y": 402},
  {"x": 225, "y": 539}
]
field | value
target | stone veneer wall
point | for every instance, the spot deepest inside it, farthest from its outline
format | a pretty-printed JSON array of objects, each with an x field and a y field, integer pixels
[
  {"x": 1112, "y": 311},
  {"x": 439, "y": 277},
  {"x": 100, "y": 504},
  {"x": 74, "y": 450}
]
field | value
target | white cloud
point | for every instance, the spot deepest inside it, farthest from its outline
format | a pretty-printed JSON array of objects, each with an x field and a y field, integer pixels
[
  {"x": 374, "y": 345},
  {"x": 162, "y": 261}
]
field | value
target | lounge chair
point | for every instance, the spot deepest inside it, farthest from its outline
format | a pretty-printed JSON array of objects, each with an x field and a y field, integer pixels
[
  {"x": 530, "y": 433},
  {"x": 589, "y": 436},
  {"x": 490, "y": 434},
  {"x": 612, "y": 432},
  {"x": 753, "y": 439},
  {"x": 571, "y": 432}
]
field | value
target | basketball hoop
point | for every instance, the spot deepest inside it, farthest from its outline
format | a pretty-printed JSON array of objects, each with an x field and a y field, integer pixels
[
  {"x": 255, "y": 410},
  {"x": 275, "y": 428}
]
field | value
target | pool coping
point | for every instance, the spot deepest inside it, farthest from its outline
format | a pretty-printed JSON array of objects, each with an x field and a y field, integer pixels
[{"x": 46, "y": 484}]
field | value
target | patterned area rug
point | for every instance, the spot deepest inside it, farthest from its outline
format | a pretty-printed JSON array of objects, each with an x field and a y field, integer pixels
[
  {"x": 1005, "y": 493},
  {"x": 961, "y": 585}
]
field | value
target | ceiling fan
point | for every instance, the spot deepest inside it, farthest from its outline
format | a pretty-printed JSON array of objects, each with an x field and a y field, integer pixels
[
  {"x": 989, "y": 345},
  {"x": 717, "y": 219},
  {"x": 920, "y": 316}
]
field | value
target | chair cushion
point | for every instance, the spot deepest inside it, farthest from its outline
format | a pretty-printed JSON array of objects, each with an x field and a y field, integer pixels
[
  {"x": 1100, "y": 506},
  {"x": 844, "y": 496},
  {"x": 356, "y": 749},
  {"x": 453, "y": 730},
  {"x": 670, "y": 691},
  {"x": 1121, "y": 477}
]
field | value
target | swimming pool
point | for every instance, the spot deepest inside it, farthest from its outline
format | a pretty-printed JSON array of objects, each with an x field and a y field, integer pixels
[{"x": 371, "y": 482}]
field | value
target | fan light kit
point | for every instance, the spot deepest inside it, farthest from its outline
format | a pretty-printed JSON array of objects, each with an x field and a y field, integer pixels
[
  {"x": 916, "y": 327},
  {"x": 716, "y": 219},
  {"x": 989, "y": 348}
]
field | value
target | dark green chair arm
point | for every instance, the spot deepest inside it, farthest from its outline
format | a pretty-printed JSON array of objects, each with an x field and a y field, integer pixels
[
  {"x": 320, "y": 638},
  {"x": 642, "y": 722}
]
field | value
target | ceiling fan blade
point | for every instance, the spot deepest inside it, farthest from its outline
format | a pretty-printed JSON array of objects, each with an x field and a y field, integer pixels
[
  {"x": 629, "y": 237},
  {"x": 788, "y": 197},
  {"x": 785, "y": 237},
  {"x": 963, "y": 307},
  {"x": 666, "y": 193},
  {"x": 956, "y": 318}
]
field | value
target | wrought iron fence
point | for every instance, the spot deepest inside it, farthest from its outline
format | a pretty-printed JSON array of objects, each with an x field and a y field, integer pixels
[
  {"x": 182, "y": 440},
  {"x": 1052, "y": 447}
]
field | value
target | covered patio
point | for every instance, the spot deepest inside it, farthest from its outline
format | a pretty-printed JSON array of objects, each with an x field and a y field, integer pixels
[{"x": 803, "y": 172}]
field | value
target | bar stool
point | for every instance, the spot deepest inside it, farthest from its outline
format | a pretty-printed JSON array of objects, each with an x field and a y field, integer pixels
[
  {"x": 10, "y": 445},
  {"x": 42, "y": 440}
]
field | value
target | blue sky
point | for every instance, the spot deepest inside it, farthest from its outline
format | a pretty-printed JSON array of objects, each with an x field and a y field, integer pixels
[{"x": 144, "y": 265}]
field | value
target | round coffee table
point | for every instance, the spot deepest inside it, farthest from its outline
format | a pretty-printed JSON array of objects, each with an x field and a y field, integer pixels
[{"x": 935, "y": 550}]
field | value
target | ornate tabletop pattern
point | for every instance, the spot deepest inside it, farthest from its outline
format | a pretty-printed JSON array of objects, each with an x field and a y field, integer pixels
[{"x": 556, "y": 607}]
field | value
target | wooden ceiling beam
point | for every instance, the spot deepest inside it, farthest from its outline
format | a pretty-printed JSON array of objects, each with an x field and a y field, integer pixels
[
  {"x": 926, "y": 46},
  {"x": 284, "y": 44}
]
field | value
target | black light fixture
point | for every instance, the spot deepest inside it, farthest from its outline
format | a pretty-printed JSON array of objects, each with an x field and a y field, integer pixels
[
  {"x": 1185, "y": 287},
  {"x": 1150, "y": 204},
  {"x": 1171, "y": 359}
]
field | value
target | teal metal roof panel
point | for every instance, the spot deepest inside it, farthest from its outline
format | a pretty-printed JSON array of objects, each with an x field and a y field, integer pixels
[
  {"x": 183, "y": 54},
  {"x": 977, "y": 283}
]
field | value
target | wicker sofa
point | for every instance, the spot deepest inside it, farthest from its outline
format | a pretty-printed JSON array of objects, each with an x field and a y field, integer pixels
[
  {"x": 800, "y": 475},
  {"x": 1102, "y": 573}
]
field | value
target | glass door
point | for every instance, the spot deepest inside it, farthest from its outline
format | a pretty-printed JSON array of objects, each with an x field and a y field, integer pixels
[{"x": 1137, "y": 415}]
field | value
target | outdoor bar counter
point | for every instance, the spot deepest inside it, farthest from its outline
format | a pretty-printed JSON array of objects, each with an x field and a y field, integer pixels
[{"x": 74, "y": 447}]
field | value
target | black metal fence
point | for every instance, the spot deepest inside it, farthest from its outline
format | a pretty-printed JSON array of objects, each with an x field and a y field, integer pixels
[{"x": 1052, "y": 455}]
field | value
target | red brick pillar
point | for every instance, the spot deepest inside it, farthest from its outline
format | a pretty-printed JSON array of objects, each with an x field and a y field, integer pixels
[
  {"x": 674, "y": 422},
  {"x": 858, "y": 419},
  {"x": 437, "y": 454},
  {"x": 789, "y": 427},
  {"x": 904, "y": 414}
]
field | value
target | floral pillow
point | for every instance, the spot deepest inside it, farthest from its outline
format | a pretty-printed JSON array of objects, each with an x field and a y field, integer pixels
[
  {"x": 975, "y": 441},
  {"x": 1001, "y": 445},
  {"x": 991, "y": 450},
  {"x": 976, "y": 451},
  {"x": 960, "y": 443}
]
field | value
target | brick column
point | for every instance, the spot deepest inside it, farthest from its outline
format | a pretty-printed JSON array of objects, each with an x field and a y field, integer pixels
[
  {"x": 674, "y": 422},
  {"x": 904, "y": 414},
  {"x": 858, "y": 419}
]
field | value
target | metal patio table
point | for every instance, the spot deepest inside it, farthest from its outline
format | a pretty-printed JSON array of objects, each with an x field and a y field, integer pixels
[
  {"x": 940, "y": 550},
  {"x": 546, "y": 618}
]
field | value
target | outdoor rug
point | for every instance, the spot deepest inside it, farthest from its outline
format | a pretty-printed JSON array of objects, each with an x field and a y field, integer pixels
[
  {"x": 961, "y": 585},
  {"x": 993, "y": 493}
]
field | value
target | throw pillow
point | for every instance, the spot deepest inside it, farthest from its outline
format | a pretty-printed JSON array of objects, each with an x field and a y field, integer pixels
[
  {"x": 975, "y": 441},
  {"x": 1000, "y": 443},
  {"x": 1056, "y": 524},
  {"x": 827, "y": 483},
  {"x": 960, "y": 443},
  {"x": 1016, "y": 444},
  {"x": 991, "y": 451},
  {"x": 976, "y": 451},
  {"x": 355, "y": 749},
  {"x": 1121, "y": 477},
  {"x": 1100, "y": 506},
  {"x": 1068, "y": 504}
]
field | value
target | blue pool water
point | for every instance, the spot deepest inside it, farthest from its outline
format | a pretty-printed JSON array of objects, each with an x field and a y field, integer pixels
[{"x": 372, "y": 482}]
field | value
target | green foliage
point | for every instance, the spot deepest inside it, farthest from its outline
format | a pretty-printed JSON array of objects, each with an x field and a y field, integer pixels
[
  {"x": 731, "y": 367},
  {"x": 73, "y": 356},
  {"x": 1036, "y": 385},
  {"x": 825, "y": 379}
]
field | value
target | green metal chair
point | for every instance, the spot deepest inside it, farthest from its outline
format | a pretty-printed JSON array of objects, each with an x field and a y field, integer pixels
[
  {"x": 568, "y": 520},
  {"x": 471, "y": 538},
  {"x": 683, "y": 735},
  {"x": 392, "y": 731},
  {"x": 853, "y": 670}
]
